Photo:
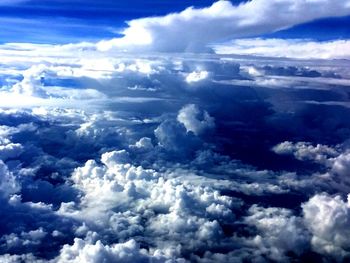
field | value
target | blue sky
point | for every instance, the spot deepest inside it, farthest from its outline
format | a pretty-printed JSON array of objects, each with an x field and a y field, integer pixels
[
  {"x": 71, "y": 21},
  {"x": 43, "y": 21},
  {"x": 321, "y": 29}
]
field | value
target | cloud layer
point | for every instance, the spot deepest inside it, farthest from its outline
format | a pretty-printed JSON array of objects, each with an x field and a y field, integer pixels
[
  {"x": 109, "y": 156},
  {"x": 292, "y": 48}
]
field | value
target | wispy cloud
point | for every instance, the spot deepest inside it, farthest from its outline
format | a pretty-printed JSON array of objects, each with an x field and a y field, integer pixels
[
  {"x": 12, "y": 2},
  {"x": 292, "y": 48}
]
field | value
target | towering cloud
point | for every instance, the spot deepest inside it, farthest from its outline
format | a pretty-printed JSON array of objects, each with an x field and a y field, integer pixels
[{"x": 193, "y": 29}]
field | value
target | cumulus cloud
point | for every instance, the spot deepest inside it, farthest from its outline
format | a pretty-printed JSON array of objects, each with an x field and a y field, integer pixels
[
  {"x": 341, "y": 164},
  {"x": 195, "y": 120},
  {"x": 178, "y": 216},
  {"x": 328, "y": 220},
  {"x": 172, "y": 136},
  {"x": 279, "y": 232},
  {"x": 334, "y": 161},
  {"x": 10, "y": 150},
  {"x": 306, "y": 151},
  {"x": 82, "y": 251},
  {"x": 196, "y": 76},
  {"x": 184, "y": 31},
  {"x": 20, "y": 258},
  {"x": 32, "y": 85}
]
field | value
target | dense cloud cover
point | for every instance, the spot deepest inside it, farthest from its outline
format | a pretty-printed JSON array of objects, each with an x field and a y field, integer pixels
[{"x": 112, "y": 157}]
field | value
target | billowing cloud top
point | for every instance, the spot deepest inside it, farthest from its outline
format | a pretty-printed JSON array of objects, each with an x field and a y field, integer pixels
[{"x": 193, "y": 29}]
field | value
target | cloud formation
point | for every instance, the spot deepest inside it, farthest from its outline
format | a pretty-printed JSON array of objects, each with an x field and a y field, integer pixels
[
  {"x": 184, "y": 31},
  {"x": 172, "y": 157},
  {"x": 328, "y": 219},
  {"x": 195, "y": 120},
  {"x": 291, "y": 48}
]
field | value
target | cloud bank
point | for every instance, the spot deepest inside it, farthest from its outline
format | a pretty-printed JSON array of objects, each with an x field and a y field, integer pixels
[
  {"x": 292, "y": 48},
  {"x": 193, "y": 29}
]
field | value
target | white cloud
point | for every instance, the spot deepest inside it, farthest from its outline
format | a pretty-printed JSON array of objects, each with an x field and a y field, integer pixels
[
  {"x": 328, "y": 219},
  {"x": 193, "y": 29},
  {"x": 279, "y": 232},
  {"x": 83, "y": 251},
  {"x": 335, "y": 161},
  {"x": 341, "y": 164},
  {"x": 338, "y": 174},
  {"x": 291, "y": 48},
  {"x": 31, "y": 84},
  {"x": 10, "y": 150},
  {"x": 197, "y": 76},
  {"x": 116, "y": 157},
  {"x": 307, "y": 152},
  {"x": 28, "y": 258},
  {"x": 30, "y": 238},
  {"x": 195, "y": 120},
  {"x": 144, "y": 143},
  {"x": 127, "y": 200},
  {"x": 8, "y": 182},
  {"x": 173, "y": 136}
]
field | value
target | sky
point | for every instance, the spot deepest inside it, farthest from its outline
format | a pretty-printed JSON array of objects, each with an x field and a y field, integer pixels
[
  {"x": 72, "y": 21},
  {"x": 66, "y": 21},
  {"x": 174, "y": 131}
]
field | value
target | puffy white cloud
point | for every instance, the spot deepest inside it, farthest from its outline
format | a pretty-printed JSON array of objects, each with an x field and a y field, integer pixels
[
  {"x": 193, "y": 29},
  {"x": 144, "y": 143},
  {"x": 195, "y": 120},
  {"x": 341, "y": 164},
  {"x": 83, "y": 251},
  {"x": 130, "y": 201},
  {"x": 197, "y": 76},
  {"x": 33, "y": 237},
  {"x": 306, "y": 151},
  {"x": 328, "y": 219},
  {"x": 279, "y": 232},
  {"x": 335, "y": 162},
  {"x": 31, "y": 84},
  {"x": 338, "y": 174},
  {"x": 172, "y": 136},
  {"x": 10, "y": 150},
  {"x": 116, "y": 157}
]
